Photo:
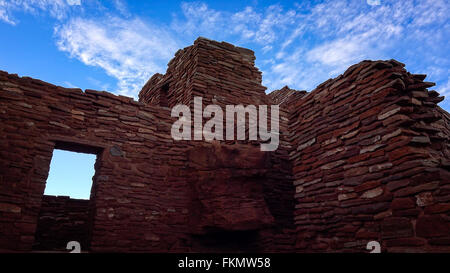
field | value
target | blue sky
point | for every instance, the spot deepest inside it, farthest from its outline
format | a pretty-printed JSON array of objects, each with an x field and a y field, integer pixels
[
  {"x": 70, "y": 174},
  {"x": 117, "y": 45}
]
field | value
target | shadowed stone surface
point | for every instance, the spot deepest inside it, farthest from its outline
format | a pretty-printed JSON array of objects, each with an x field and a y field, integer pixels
[{"x": 363, "y": 157}]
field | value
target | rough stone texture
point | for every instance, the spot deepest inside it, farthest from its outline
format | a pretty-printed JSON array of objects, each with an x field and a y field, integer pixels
[
  {"x": 61, "y": 220},
  {"x": 131, "y": 186},
  {"x": 286, "y": 96},
  {"x": 363, "y": 157},
  {"x": 223, "y": 74},
  {"x": 220, "y": 73},
  {"x": 148, "y": 189},
  {"x": 370, "y": 155}
]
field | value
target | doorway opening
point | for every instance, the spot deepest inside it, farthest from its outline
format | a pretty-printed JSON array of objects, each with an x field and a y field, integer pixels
[
  {"x": 66, "y": 207},
  {"x": 163, "y": 94}
]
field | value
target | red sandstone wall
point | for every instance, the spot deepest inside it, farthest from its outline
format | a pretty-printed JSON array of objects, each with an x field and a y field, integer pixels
[
  {"x": 286, "y": 97},
  {"x": 223, "y": 74},
  {"x": 367, "y": 153},
  {"x": 370, "y": 161},
  {"x": 138, "y": 181},
  {"x": 218, "y": 72},
  {"x": 443, "y": 127},
  {"x": 61, "y": 220},
  {"x": 280, "y": 175},
  {"x": 146, "y": 190},
  {"x": 180, "y": 71}
]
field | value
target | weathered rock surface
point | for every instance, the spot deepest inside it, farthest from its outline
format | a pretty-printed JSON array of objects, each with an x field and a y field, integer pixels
[
  {"x": 363, "y": 157},
  {"x": 380, "y": 152}
]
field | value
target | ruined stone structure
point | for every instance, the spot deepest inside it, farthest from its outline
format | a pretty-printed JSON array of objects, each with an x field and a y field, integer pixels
[{"x": 363, "y": 157}]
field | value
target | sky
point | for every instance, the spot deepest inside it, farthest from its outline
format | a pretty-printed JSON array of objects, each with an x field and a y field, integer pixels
[
  {"x": 118, "y": 45},
  {"x": 70, "y": 174}
]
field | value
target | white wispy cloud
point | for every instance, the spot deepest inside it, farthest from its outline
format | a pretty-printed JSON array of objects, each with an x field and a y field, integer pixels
[
  {"x": 247, "y": 25},
  {"x": 74, "y": 2},
  {"x": 5, "y": 14},
  {"x": 128, "y": 50},
  {"x": 263, "y": 28},
  {"x": 122, "y": 7},
  {"x": 374, "y": 2},
  {"x": 198, "y": 18},
  {"x": 345, "y": 33},
  {"x": 301, "y": 46},
  {"x": 444, "y": 90},
  {"x": 55, "y": 8},
  {"x": 99, "y": 85},
  {"x": 70, "y": 85}
]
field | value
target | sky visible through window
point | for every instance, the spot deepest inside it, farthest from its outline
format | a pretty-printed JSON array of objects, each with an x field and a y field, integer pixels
[
  {"x": 118, "y": 45},
  {"x": 70, "y": 174}
]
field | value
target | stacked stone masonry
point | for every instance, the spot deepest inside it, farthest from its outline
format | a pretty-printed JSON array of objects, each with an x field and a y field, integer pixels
[
  {"x": 62, "y": 219},
  {"x": 371, "y": 162},
  {"x": 363, "y": 157}
]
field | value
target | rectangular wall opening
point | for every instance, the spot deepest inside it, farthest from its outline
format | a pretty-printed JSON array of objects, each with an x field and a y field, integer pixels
[
  {"x": 163, "y": 93},
  {"x": 70, "y": 174},
  {"x": 65, "y": 213}
]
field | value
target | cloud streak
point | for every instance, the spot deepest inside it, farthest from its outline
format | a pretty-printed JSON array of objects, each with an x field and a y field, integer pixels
[
  {"x": 345, "y": 33},
  {"x": 301, "y": 46},
  {"x": 56, "y": 8},
  {"x": 128, "y": 50}
]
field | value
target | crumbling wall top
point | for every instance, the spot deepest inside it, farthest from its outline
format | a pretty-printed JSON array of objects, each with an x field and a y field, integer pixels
[{"x": 219, "y": 72}]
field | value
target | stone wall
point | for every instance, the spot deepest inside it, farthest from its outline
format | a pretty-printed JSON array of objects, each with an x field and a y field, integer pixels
[
  {"x": 218, "y": 72},
  {"x": 223, "y": 74},
  {"x": 61, "y": 220},
  {"x": 362, "y": 157},
  {"x": 138, "y": 181},
  {"x": 370, "y": 161},
  {"x": 286, "y": 97},
  {"x": 143, "y": 178}
]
